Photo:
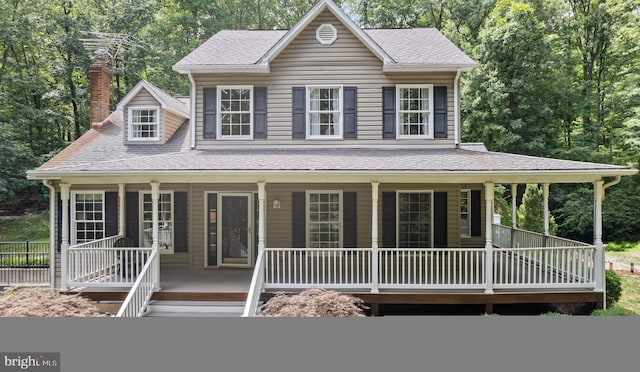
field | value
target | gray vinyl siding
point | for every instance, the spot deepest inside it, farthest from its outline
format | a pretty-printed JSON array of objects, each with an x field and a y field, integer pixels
[
  {"x": 304, "y": 62},
  {"x": 170, "y": 125}
]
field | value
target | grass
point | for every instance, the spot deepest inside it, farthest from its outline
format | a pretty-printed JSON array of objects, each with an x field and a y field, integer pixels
[
  {"x": 623, "y": 247},
  {"x": 31, "y": 226}
]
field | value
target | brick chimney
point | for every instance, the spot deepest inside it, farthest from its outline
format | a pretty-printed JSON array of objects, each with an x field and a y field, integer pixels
[{"x": 99, "y": 80}]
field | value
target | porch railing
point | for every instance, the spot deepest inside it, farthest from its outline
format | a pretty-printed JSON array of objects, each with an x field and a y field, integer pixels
[
  {"x": 99, "y": 264},
  {"x": 508, "y": 237},
  {"x": 140, "y": 294},
  {"x": 255, "y": 289}
]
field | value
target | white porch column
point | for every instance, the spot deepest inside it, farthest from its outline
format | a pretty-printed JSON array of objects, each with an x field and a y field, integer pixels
[
  {"x": 598, "y": 195},
  {"x": 262, "y": 215},
  {"x": 64, "y": 259},
  {"x": 155, "y": 199},
  {"x": 374, "y": 236},
  {"x": 122, "y": 227},
  {"x": 52, "y": 232},
  {"x": 488, "y": 270},
  {"x": 545, "y": 208},
  {"x": 514, "y": 207}
]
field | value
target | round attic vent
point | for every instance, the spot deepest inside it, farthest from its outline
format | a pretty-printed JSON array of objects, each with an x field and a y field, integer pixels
[{"x": 326, "y": 34}]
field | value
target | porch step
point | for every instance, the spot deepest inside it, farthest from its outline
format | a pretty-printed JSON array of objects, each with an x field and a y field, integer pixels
[{"x": 168, "y": 308}]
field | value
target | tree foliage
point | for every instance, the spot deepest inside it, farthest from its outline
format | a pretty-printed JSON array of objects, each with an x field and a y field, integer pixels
[{"x": 531, "y": 211}]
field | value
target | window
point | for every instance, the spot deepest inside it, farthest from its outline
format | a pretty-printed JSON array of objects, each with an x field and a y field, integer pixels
[
  {"x": 324, "y": 222},
  {"x": 324, "y": 112},
  {"x": 88, "y": 217},
  {"x": 465, "y": 213},
  {"x": 144, "y": 124},
  {"x": 414, "y": 219},
  {"x": 415, "y": 111},
  {"x": 235, "y": 115},
  {"x": 165, "y": 221}
]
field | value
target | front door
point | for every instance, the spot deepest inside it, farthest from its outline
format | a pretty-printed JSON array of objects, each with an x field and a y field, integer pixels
[{"x": 234, "y": 229}]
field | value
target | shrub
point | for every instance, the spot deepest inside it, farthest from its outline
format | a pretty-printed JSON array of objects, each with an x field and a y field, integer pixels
[
  {"x": 613, "y": 311},
  {"x": 613, "y": 285},
  {"x": 314, "y": 302}
]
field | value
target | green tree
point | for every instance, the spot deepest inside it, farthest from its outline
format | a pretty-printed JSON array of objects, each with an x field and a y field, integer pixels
[{"x": 531, "y": 211}]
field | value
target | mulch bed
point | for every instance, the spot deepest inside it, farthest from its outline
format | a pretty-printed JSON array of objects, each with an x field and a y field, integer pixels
[{"x": 636, "y": 273}]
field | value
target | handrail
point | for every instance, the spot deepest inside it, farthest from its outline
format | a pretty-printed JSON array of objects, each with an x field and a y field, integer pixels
[
  {"x": 257, "y": 284},
  {"x": 100, "y": 243},
  {"x": 140, "y": 294}
]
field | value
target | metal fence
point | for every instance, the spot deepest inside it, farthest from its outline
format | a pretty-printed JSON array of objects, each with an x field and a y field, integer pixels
[{"x": 24, "y": 262}]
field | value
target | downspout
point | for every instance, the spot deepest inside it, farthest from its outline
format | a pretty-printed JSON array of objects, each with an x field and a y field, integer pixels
[
  {"x": 456, "y": 108},
  {"x": 192, "y": 118},
  {"x": 609, "y": 184},
  {"x": 52, "y": 232}
]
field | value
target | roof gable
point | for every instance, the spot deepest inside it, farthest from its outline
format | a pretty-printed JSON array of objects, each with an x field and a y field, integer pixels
[
  {"x": 310, "y": 17},
  {"x": 166, "y": 101}
]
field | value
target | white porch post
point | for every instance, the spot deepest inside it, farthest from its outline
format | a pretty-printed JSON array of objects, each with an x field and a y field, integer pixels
[
  {"x": 598, "y": 194},
  {"x": 374, "y": 237},
  {"x": 514, "y": 211},
  {"x": 155, "y": 199},
  {"x": 64, "y": 259},
  {"x": 52, "y": 232},
  {"x": 545, "y": 207},
  {"x": 488, "y": 270},
  {"x": 121, "y": 210},
  {"x": 261, "y": 215}
]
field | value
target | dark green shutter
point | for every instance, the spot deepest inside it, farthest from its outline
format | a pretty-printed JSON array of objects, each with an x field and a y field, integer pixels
[
  {"x": 440, "y": 112},
  {"x": 260, "y": 112},
  {"x": 350, "y": 112},
  {"x": 298, "y": 220},
  {"x": 180, "y": 233},
  {"x": 476, "y": 213},
  {"x": 440, "y": 219},
  {"x": 389, "y": 112},
  {"x": 210, "y": 103},
  {"x": 388, "y": 220},
  {"x": 110, "y": 214},
  {"x": 133, "y": 221},
  {"x": 298, "y": 115},
  {"x": 350, "y": 220}
]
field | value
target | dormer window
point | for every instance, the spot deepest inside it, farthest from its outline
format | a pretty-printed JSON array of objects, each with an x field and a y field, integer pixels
[
  {"x": 235, "y": 115},
  {"x": 144, "y": 123}
]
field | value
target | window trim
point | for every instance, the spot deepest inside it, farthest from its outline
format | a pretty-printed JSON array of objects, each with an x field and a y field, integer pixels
[
  {"x": 130, "y": 124},
  {"x": 308, "y": 211},
  {"x": 340, "y": 126},
  {"x": 429, "y": 133},
  {"x": 462, "y": 235},
  {"x": 74, "y": 230},
  {"x": 142, "y": 193},
  {"x": 431, "y": 222},
  {"x": 219, "y": 112}
]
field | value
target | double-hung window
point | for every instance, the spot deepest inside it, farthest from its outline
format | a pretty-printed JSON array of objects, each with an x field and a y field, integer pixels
[
  {"x": 165, "y": 221},
  {"x": 144, "y": 123},
  {"x": 88, "y": 217},
  {"x": 465, "y": 213},
  {"x": 324, "y": 112},
  {"x": 415, "y": 111},
  {"x": 235, "y": 112},
  {"x": 324, "y": 219},
  {"x": 415, "y": 229}
]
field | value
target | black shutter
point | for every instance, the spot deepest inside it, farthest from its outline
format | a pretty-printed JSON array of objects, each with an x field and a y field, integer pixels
[
  {"x": 59, "y": 222},
  {"x": 298, "y": 117},
  {"x": 260, "y": 112},
  {"x": 110, "y": 214},
  {"x": 440, "y": 219},
  {"x": 350, "y": 112},
  {"x": 476, "y": 213},
  {"x": 209, "y": 130},
  {"x": 389, "y": 112},
  {"x": 440, "y": 112},
  {"x": 180, "y": 235},
  {"x": 388, "y": 220},
  {"x": 350, "y": 220},
  {"x": 133, "y": 221},
  {"x": 298, "y": 220}
]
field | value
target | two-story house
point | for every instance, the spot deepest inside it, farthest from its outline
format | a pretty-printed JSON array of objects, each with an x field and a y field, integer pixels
[{"x": 326, "y": 155}]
